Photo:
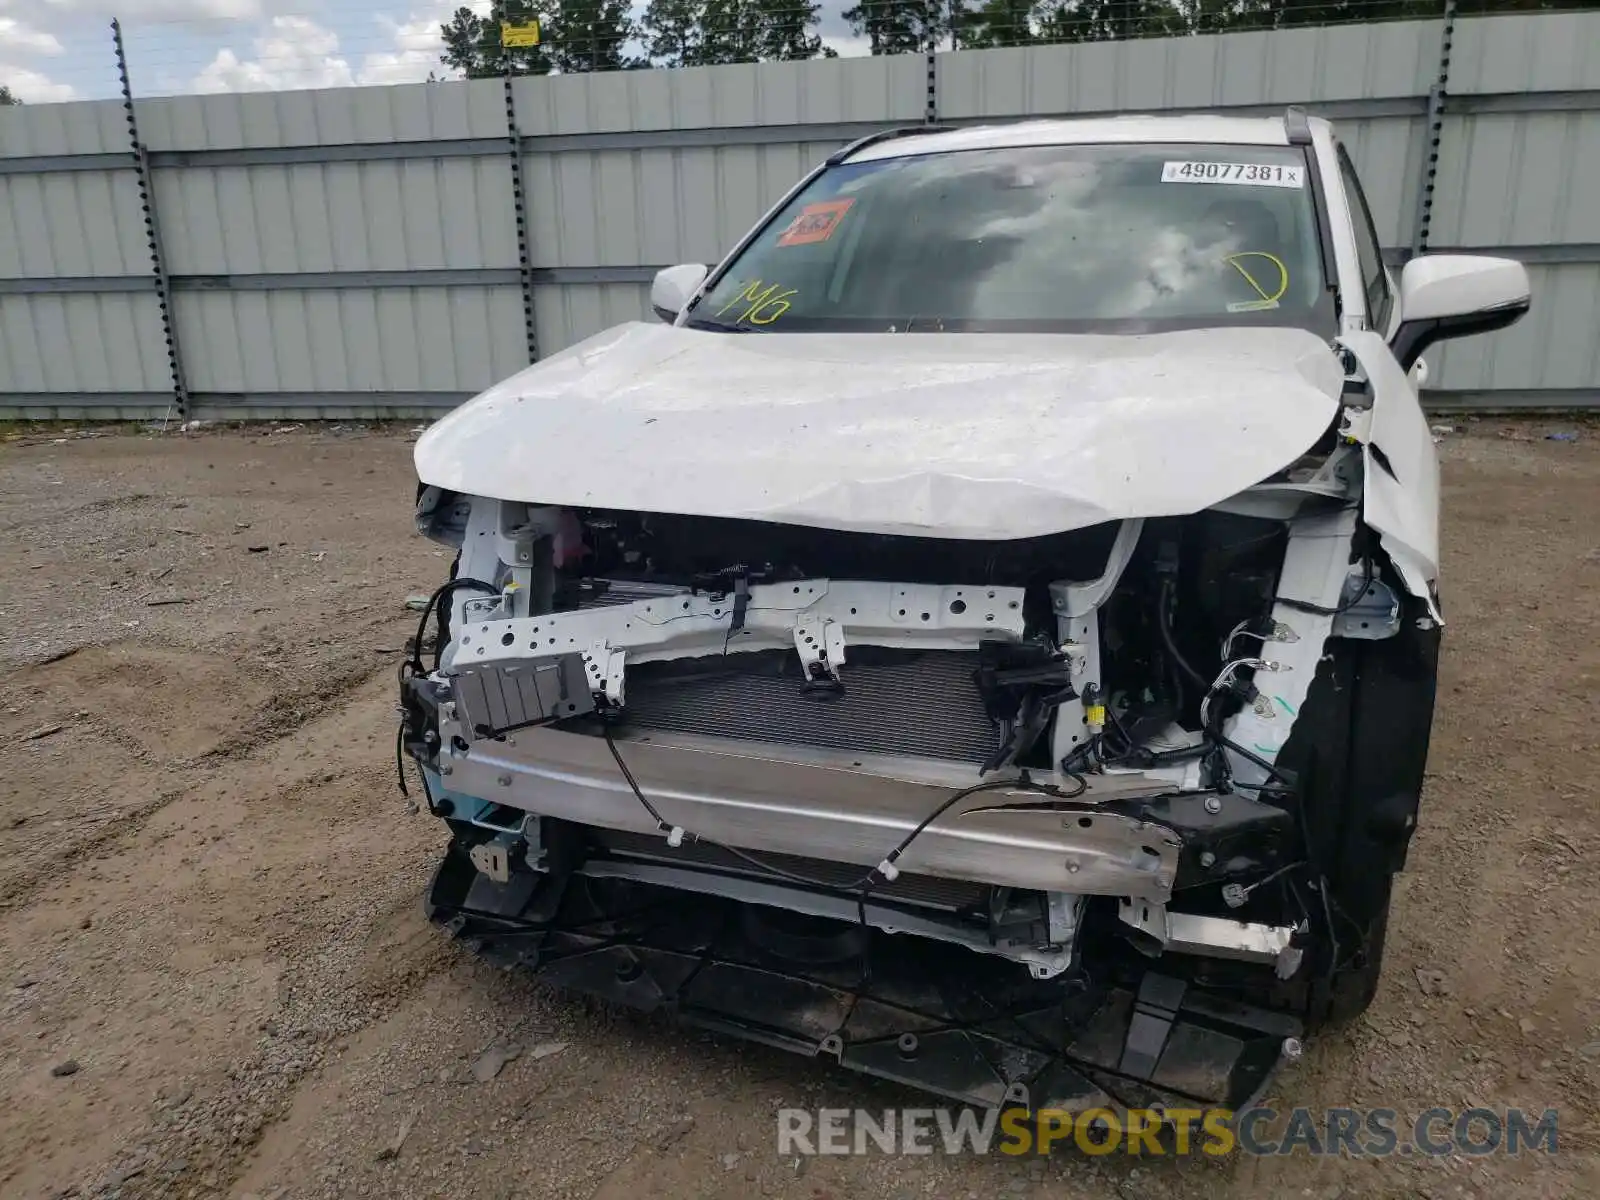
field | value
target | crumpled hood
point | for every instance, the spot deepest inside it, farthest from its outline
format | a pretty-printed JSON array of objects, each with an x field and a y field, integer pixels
[{"x": 980, "y": 436}]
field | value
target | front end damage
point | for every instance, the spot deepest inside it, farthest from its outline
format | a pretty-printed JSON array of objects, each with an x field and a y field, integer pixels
[{"x": 1099, "y": 817}]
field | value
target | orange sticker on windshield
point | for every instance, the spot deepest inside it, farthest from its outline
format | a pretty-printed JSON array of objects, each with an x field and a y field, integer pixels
[{"x": 815, "y": 223}]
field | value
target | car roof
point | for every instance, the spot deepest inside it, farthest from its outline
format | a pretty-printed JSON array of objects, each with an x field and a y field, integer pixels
[{"x": 1201, "y": 128}]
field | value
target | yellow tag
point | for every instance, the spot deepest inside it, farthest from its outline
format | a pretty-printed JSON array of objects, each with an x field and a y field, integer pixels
[
  {"x": 513, "y": 36},
  {"x": 1096, "y": 713}
]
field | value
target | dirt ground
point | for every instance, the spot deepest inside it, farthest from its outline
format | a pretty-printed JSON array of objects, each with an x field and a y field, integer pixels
[{"x": 210, "y": 887}]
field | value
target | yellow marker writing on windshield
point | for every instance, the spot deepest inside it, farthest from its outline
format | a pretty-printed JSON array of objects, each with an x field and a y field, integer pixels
[
  {"x": 772, "y": 302},
  {"x": 1283, "y": 274}
]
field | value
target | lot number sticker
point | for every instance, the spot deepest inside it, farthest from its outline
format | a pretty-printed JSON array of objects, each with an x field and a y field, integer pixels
[
  {"x": 1251, "y": 174},
  {"x": 815, "y": 223}
]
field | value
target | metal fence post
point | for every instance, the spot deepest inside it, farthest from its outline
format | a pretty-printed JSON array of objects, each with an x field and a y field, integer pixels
[
  {"x": 520, "y": 205},
  {"x": 518, "y": 200},
  {"x": 1433, "y": 134},
  {"x": 152, "y": 228},
  {"x": 930, "y": 45}
]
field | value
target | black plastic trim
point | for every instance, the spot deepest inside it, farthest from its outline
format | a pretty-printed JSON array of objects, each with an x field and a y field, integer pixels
[{"x": 1413, "y": 338}]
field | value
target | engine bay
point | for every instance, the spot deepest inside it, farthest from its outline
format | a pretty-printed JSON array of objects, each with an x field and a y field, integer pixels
[
  {"x": 1126, "y": 645},
  {"x": 1077, "y": 752}
]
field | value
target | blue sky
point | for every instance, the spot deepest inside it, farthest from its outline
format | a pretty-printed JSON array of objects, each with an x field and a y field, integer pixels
[{"x": 61, "y": 49}]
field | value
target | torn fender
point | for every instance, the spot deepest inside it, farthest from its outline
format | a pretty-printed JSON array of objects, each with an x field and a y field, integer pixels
[{"x": 1400, "y": 499}]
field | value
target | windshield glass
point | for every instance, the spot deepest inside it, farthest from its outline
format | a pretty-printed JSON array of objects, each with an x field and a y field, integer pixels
[{"x": 1115, "y": 239}]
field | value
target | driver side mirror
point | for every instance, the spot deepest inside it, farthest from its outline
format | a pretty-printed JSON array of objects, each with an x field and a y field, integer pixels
[
  {"x": 1456, "y": 295},
  {"x": 674, "y": 287}
]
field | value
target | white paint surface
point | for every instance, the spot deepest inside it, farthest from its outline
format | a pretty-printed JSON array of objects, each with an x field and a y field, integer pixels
[
  {"x": 1401, "y": 499},
  {"x": 972, "y": 436}
]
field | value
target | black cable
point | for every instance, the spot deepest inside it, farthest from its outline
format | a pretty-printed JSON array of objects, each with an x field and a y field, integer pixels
[
  {"x": 1275, "y": 771},
  {"x": 664, "y": 826},
  {"x": 1122, "y": 730},
  {"x": 1322, "y": 610},
  {"x": 863, "y": 886},
  {"x": 1164, "y": 621},
  {"x": 762, "y": 865},
  {"x": 414, "y": 666},
  {"x": 1333, "y": 938},
  {"x": 444, "y": 589},
  {"x": 633, "y": 783},
  {"x": 440, "y": 595},
  {"x": 1080, "y": 753},
  {"x": 993, "y": 785},
  {"x": 400, "y": 756}
]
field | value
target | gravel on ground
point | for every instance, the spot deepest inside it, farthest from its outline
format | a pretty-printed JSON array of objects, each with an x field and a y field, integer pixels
[{"x": 218, "y": 980}]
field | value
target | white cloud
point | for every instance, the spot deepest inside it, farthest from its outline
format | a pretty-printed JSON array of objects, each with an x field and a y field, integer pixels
[
  {"x": 416, "y": 47},
  {"x": 849, "y": 46},
  {"x": 133, "y": 11},
  {"x": 296, "y": 52},
  {"x": 34, "y": 88},
  {"x": 15, "y": 36}
]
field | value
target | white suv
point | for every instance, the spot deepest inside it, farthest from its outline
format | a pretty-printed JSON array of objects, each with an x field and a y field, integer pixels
[{"x": 987, "y": 632}]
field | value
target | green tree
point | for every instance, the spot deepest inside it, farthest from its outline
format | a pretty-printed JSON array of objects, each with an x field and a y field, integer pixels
[
  {"x": 672, "y": 32},
  {"x": 900, "y": 26},
  {"x": 592, "y": 35},
  {"x": 1110, "y": 20},
  {"x": 997, "y": 23},
  {"x": 730, "y": 32},
  {"x": 472, "y": 43},
  {"x": 698, "y": 33},
  {"x": 787, "y": 30},
  {"x": 6, "y": 96}
]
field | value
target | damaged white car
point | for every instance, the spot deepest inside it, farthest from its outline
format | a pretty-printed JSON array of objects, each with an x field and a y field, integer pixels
[{"x": 986, "y": 633}]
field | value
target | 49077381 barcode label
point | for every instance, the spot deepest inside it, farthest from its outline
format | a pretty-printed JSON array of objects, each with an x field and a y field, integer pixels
[{"x": 1250, "y": 174}]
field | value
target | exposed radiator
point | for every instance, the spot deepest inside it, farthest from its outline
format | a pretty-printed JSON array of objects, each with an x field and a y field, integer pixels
[{"x": 924, "y": 706}]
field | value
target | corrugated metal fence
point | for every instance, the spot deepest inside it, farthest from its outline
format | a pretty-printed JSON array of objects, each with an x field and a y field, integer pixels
[{"x": 370, "y": 251}]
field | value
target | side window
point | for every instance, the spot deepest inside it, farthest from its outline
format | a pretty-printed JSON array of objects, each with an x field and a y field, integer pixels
[{"x": 1373, "y": 279}]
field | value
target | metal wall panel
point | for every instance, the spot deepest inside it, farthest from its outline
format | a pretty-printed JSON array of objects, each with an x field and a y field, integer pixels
[
  {"x": 1547, "y": 52},
  {"x": 280, "y": 209},
  {"x": 892, "y": 89},
  {"x": 331, "y": 117},
  {"x": 1519, "y": 179},
  {"x": 92, "y": 127},
  {"x": 1525, "y": 180},
  {"x": 1554, "y": 346},
  {"x": 571, "y": 312},
  {"x": 82, "y": 343},
  {"x": 457, "y": 339},
  {"x": 655, "y": 207},
  {"x": 71, "y": 223},
  {"x": 419, "y": 214},
  {"x": 1147, "y": 75}
]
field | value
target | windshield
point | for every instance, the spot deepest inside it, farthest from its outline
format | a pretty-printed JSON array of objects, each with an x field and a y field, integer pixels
[{"x": 1116, "y": 239}]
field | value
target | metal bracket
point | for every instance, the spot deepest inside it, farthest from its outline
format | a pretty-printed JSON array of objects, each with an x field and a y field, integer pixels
[
  {"x": 498, "y": 697},
  {"x": 902, "y": 615},
  {"x": 493, "y": 859},
  {"x": 606, "y": 669},
  {"x": 1077, "y": 609},
  {"x": 1062, "y": 910},
  {"x": 820, "y": 643},
  {"x": 1372, "y": 617},
  {"x": 1215, "y": 937}
]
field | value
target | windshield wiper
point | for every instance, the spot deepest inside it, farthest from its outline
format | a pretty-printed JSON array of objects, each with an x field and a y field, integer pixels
[{"x": 718, "y": 326}]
